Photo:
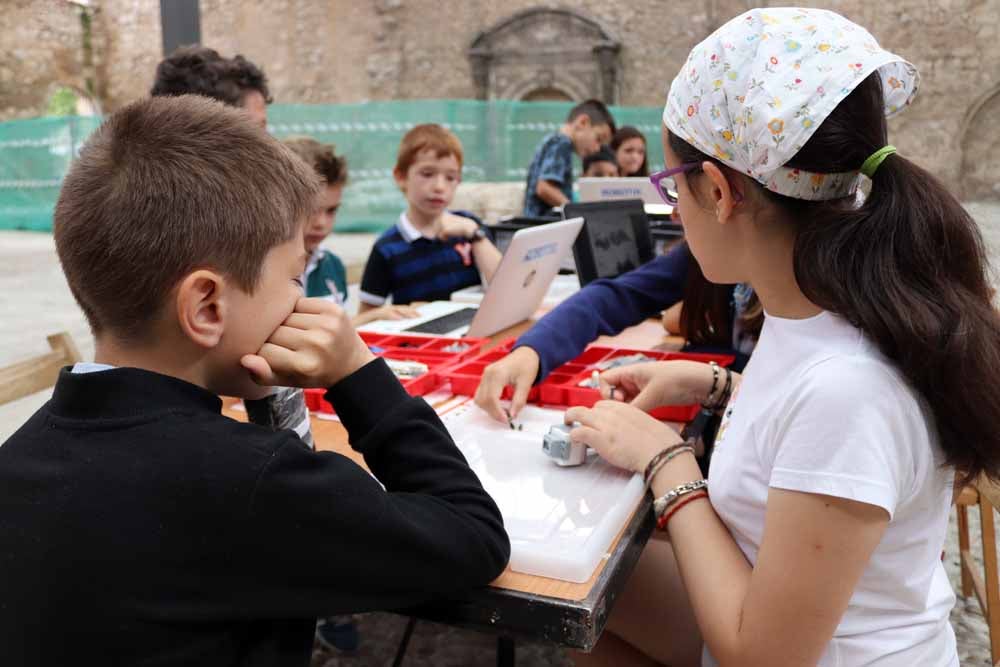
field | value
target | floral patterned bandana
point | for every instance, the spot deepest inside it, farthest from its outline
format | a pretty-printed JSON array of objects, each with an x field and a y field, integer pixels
[{"x": 756, "y": 89}]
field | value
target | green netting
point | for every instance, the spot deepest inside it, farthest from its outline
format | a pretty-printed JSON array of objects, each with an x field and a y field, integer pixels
[{"x": 499, "y": 139}]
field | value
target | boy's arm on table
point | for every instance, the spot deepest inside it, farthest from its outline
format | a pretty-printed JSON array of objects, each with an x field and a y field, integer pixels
[
  {"x": 606, "y": 307},
  {"x": 342, "y": 542}
]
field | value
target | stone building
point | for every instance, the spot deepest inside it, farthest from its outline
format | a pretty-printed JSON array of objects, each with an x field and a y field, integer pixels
[{"x": 625, "y": 51}]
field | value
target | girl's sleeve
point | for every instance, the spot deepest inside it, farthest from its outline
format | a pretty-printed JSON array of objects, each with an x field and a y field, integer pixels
[{"x": 853, "y": 431}]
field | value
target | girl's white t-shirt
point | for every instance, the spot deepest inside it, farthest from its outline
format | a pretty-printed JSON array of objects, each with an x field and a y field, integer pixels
[{"x": 820, "y": 410}]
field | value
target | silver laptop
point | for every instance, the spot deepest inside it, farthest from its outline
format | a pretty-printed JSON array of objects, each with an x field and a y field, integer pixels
[
  {"x": 609, "y": 189},
  {"x": 520, "y": 283}
]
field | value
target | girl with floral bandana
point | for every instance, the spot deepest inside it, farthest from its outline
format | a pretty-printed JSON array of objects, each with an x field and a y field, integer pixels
[{"x": 816, "y": 539}]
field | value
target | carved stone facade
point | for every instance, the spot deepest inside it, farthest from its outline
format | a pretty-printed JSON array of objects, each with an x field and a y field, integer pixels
[
  {"x": 341, "y": 51},
  {"x": 546, "y": 52}
]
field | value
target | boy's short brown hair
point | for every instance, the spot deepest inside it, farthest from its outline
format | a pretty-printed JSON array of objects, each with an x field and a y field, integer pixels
[
  {"x": 321, "y": 157},
  {"x": 423, "y": 137},
  {"x": 165, "y": 186}
]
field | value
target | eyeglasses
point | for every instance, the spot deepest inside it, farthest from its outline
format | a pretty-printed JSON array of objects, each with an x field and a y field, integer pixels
[{"x": 659, "y": 180}]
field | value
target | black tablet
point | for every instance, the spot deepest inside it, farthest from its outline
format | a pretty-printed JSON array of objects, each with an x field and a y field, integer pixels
[{"x": 615, "y": 238}]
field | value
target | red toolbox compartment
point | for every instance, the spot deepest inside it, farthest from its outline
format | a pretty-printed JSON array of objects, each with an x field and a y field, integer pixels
[
  {"x": 439, "y": 353},
  {"x": 465, "y": 377},
  {"x": 562, "y": 386}
]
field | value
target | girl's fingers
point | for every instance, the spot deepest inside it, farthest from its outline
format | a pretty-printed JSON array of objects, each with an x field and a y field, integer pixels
[{"x": 588, "y": 436}]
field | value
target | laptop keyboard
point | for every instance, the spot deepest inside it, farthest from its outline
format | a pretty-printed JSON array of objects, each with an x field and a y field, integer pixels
[{"x": 445, "y": 323}]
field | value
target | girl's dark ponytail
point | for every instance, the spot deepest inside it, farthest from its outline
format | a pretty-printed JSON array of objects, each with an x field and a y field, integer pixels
[{"x": 908, "y": 267}]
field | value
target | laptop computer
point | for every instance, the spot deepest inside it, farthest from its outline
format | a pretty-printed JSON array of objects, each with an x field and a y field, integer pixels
[
  {"x": 629, "y": 187},
  {"x": 520, "y": 283},
  {"x": 615, "y": 238}
]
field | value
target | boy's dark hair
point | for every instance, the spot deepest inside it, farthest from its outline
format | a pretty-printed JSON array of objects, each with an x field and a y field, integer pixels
[
  {"x": 603, "y": 154},
  {"x": 199, "y": 70},
  {"x": 167, "y": 185},
  {"x": 595, "y": 110},
  {"x": 321, "y": 157},
  {"x": 907, "y": 267}
]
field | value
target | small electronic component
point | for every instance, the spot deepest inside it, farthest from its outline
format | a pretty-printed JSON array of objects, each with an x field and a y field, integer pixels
[
  {"x": 561, "y": 449},
  {"x": 593, "y": 382},
  {"x": 405, "y": 370},
  {"x": 510, "y": 422}
]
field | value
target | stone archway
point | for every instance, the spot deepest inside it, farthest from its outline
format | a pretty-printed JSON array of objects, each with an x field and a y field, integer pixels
[
  {"x": 980, "y": 173},
  {"x": 557, "y": 50}
]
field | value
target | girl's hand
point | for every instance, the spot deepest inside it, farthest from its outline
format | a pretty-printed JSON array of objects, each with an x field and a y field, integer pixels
[
  {"x": 648, "y": 386},
  {"x": 456, "y": 227},
  {"x": 623, "y": 435},
  {"x": 519, "y": 368}
]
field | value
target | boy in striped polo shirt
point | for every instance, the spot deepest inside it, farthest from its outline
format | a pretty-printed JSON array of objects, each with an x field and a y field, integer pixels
[{"x": 430, "y": 252}]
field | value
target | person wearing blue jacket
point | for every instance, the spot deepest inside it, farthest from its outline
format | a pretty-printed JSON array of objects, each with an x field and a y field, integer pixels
[{"x": 607, "y": 307}]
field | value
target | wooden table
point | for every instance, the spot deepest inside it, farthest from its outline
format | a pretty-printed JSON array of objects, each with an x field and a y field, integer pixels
[{"x": 518, "y": 605}]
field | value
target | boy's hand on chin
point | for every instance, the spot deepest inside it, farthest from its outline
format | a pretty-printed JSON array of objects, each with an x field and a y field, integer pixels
[{"x": 315, "y": 347}]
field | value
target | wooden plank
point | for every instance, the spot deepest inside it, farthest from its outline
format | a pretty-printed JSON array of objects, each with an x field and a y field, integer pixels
[
  {"x": 992, "y": 579},
  {"x": 963, "y": 547},
  {"x": 33, "y": 375}
]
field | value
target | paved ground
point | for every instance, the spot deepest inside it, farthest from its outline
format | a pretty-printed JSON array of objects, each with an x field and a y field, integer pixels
[{"x": 36, "y": 302}]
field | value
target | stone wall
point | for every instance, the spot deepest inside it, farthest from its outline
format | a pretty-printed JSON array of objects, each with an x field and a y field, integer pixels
[{"x": 335, "y": 51}]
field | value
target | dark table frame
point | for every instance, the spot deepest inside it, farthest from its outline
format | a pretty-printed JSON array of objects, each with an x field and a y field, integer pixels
[{"x": 570, "y": 623}]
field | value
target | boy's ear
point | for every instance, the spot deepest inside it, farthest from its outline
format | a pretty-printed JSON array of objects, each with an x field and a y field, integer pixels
[
  {"x": 201, "y": 307},
  {"x": 400, "y": 180}
]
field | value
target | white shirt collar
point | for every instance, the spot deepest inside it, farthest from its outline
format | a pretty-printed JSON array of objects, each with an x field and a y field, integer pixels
[
  {"x": 407, "y": 230},
  {"x": 90, "y": 367}
]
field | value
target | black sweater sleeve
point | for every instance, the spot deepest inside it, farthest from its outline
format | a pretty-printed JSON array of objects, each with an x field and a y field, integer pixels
[{"x": 328, "y": 538}]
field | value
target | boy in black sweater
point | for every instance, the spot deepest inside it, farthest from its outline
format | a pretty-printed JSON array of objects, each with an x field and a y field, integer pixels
[{"x": 170, "y": 534}]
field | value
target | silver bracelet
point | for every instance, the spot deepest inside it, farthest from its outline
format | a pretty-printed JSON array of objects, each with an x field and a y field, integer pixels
[{"x": 663, "y": 503}]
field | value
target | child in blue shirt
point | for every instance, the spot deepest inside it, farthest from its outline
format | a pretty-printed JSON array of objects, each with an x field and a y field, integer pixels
[
  {"x": 431, "y": 252},
  {"x": 588, "y": 126}
]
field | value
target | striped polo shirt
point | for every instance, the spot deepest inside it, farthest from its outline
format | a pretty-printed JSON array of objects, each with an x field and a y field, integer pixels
[{"x": 406, "y": 266}]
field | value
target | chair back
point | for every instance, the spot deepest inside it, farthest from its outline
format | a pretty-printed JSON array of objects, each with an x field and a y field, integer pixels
[{"x": 32, "y": 375}]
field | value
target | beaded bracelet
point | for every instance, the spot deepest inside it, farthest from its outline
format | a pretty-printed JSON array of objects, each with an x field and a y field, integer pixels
[
  {"x": 659, "y": 460},
  {"x": 668, "y": 454},
  {"x": 661, "y": 523},
  {"x": 715, "y": 383},
  {"x": 723, "y": 398}
]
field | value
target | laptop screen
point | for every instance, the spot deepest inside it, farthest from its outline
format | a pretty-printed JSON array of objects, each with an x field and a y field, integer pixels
[{"x": 615, "y": 238}]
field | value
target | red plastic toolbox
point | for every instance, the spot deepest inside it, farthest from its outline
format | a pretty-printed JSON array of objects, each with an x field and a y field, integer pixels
[
  {"x": 430, "y": 350},
  {"x": 469, "y": 347},
  {"x": 465, "y": 377},
  {"x": 562, "y": 386}
]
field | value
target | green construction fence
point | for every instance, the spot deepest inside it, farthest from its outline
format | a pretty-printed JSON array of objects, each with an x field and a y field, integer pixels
[{"x": 498, "y": 137}]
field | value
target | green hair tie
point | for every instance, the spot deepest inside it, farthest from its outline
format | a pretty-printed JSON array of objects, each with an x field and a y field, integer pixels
[{"x": 875, "y": 159}]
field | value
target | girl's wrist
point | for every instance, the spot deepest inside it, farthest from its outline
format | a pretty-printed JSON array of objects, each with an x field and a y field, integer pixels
[{"x": 700, "y": 382}]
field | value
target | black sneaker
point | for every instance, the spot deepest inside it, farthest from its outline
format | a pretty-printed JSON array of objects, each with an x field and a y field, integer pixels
[{"x": 338, "y": 632}]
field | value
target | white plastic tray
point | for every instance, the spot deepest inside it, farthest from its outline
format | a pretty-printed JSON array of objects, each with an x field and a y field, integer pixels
[{"x": 561, "y": 521}]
